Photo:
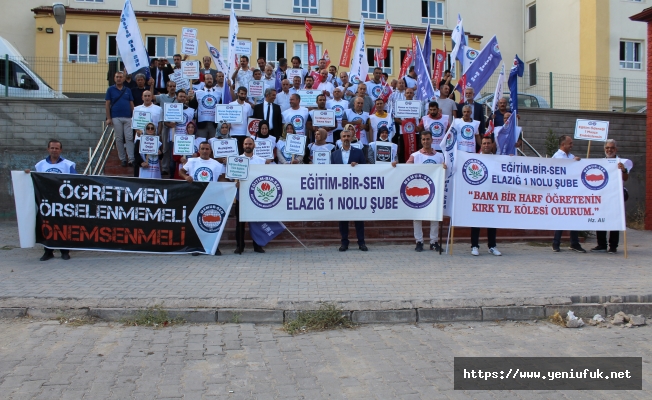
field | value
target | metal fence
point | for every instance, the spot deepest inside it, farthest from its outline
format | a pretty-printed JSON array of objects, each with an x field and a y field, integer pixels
[{"x": 561, "y": 91}]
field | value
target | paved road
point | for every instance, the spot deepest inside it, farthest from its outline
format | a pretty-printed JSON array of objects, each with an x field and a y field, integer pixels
[
  {"x": 386, "y": 277},
  {"x": 45, "y": 360}
]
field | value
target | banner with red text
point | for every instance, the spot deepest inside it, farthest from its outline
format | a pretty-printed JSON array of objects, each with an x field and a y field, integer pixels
[
  {"x": 347, "y": 47},
  {"x": 312, "y": 49},
  {"x": 407, "y": 60},
  {"x": 106, "y": 213},
  {"x": 387, "y": 35},
  {"x": 438, "y": 70},
  {"x": 538, "y": 193}
]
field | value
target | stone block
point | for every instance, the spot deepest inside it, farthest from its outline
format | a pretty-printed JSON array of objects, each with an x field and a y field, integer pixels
[
  {"x": 292, "y": 315},
  {"x": 49, "y": 313},
  {"x": 644, "y": 309},
  {"x": 580, "y": 310},
  {"x": 231, "y": 315},
  {"x": 449, "y": 314},
  {"x": 113, "y": 314},
  {"x": 194, "y": 316},
  {"x": 12, "y": 312},
  {"x": 512, "y": 313},
  {"x": 384, "y": 316}
]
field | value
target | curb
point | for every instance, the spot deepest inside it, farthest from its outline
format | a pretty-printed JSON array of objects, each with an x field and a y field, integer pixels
[{"x": 412, "y": 315}]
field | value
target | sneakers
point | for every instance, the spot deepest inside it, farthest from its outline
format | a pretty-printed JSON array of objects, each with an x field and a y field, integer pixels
[
  {"x": 577, "y": 248},
  {"x": 419, "y": 247},
  {"x": 475, "y": 251},
  {"x": 435, "y": 246},
  {"x": 47, "y": 255},
  {"x": 555, "y": 248},
  {"x": 612, "y": 250},
  {"x": 495, "y": 252},
  {"x": 600, "y": 249}
]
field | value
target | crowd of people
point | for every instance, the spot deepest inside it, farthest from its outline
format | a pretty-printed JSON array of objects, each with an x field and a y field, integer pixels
[{"x": 365, "y": 119}]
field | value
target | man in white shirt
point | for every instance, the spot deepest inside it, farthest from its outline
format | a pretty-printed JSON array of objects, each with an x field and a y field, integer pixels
[
  {"x": 339, "y": 105},
  {"x": 332, "y": 78},
  {"x": 296, "y": 115},
  {"x": 296, "y": 85},
  {"x": 348, "y": 88},
  {"x": 375, "y": 86},
  {"x": 321, "y": 106},
  {"x": 283, "y": 97},
  {"x": 243, "y": 74},
  {"x": 240, "y": 131},
  {"x": 446, "y": 105},
  {"x": 269, "y": 78},
  {"x": 436, "y": 123},
  {"x": 358, "y": 118},
  {"x": 411, "y": 78},
  {"x": 564, "y": 152},
  {"x": 156, "y": 114},
  {"x": 204, "y": 101},
  {"x": 325, "y": 86}
]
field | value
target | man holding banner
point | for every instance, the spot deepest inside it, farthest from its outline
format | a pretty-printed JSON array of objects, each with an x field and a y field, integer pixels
[{"x": 487, "y": 147}]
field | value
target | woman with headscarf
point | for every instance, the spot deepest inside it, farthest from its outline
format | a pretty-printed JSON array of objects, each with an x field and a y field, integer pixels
[
  {"x": 179, "y": 160},
  {"x": 382, "y": 150},
  {"x": 150, "y": 165},
  {"x": 263, "y": 138},
  {"x": 282, "y": 156}
]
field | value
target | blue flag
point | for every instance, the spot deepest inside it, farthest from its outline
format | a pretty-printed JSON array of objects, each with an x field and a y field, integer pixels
[
  {"x": 226, "y": 94},
  {"x": 482, "y": 68},
  {"x": 506, "y": 138},
  {"x": 512, "y": 82},
  {"x": 425, "y": 91},
  {"x": 427, "y": 49},
  {"x": 263, "y": 232},
  {"x": 277, "y": 82}
]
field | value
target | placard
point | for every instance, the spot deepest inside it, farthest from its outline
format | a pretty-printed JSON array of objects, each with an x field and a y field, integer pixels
[
  {"x": 188, "y": 33},
  {"x": 237, "y": 167},
  {"x": 383, "y": 153},
  {"x": 407, "y": 109},
  {"x": 189, "y": 46},
  {"x": 309, "y": 97},
  {"x": 140, "y": 119},
  {"x": 252, "y": 125},
  {"x": 292, "y": 72},
  {"x": 321, "y": 157},
  {"x": 323, "y": 118},
  {"x": 295, "y": 144},
  {"x": 243, "y": 47},
  {"x": 586, "y": 129},
  {"x": 173, "y": 112},
  {"x": 224, "y": 147},
  {"x": 184, "y": 145},
  {"x": 149, "y": 144},
  {"x": 230, "y": 113},
  {"x": 190, "y": 69},
  {"x": 256, "y": 88},
  {"x": 182, "y": 83},
  {"x": 264, "y": 149}
]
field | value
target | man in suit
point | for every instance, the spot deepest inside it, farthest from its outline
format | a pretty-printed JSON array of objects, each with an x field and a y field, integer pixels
[
  {"x": 353, "y": 156},
  {"x": 161, "y": 75},
  {"x": 478, "y": 112},
  {"x": 270, "y": 112},
  {"x": 207, "y": 70}
]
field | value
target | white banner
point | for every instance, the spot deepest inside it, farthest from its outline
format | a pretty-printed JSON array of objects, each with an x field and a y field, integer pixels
[
  {"x": 130, "y": 42},
  {"x": 586, "y": 129},
  {"x": 341, "y": 192},
  {"x": 537, "y": 193},
  {"x": 25, "y": 210},
  {"x": 359, "y": 64}
]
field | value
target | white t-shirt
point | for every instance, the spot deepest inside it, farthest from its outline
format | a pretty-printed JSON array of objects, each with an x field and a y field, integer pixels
[
  {"x": 241, "y": 129},
  {"x": 207, "y": 99},
  {"x": 327, "y": 86},
  {"x": 420, "y": 158},
  {"x": 204, "y": 170},
  {"x": 254, "y": 159},
  {"x": 373, "y": 155},
  {"x": 339, "y": 107},
  {"x": 561, "y": 154},
  {"x": 377, "y": 122},
  {"x": 352, "y": 116},
  {"x": 312, "y": 147},
  {"x": 298, "y": 119},
  {"x": 410, "y": 82},
  {"x": 374, "y": 90},
  {"x": 155, "y": 111},
  {"x": 283, "y": 100},
  {"x": 62, "y": 167},
  {"x": 243, "y": 78},
  {"x": 438, "y": 128},
  {"x": 353, "y": 89},
  {"x": 465, "y": 132}
]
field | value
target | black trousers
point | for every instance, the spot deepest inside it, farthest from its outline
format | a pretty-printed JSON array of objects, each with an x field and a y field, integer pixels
[
  {"x": 574, "y": 236},
  {"x": 359, "y": 232},
  {"x": 240, "y": 140},
  {"x": 613, "y": 238},
  {"x": 240, "y": 229},
  {"x": 51, "y": 251},
  {"x": 491, "y": 237}
]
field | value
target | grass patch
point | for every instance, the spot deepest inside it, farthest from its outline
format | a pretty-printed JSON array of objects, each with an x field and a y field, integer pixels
[
  {"x": 155, "y": 317},
  {"x": 77, "y": 321},
  {"x": 557, "y": 319},
  {"x": 327, "y": 317}
]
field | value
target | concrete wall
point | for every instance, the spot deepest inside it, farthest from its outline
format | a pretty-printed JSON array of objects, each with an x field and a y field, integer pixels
[
  {"x": 627, "y": 129},
  {"x": 26, "y": 126}
]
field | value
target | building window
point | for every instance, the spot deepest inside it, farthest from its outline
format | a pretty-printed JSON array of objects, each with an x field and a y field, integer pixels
[
  {"x": 630, "y": 55},
  {"x": 373, "y": 9},
  {"x": 301, "y": 51},
  {"x": 432, "y": 12},
  {"x": 237, "y": 4},
  {"x": 165, "y": 3},
  {"x": 112, "y": 51},
  {"x": 532, "y": 16},
  {"x": 271, "y": 51},
  {"x": 532, "y": 72},
  {"x": 82, "y": 47},
  {"x": 305, "y": 7},
  {"x": 386, "y": 64},
  {"x": 161, "y": 46}
]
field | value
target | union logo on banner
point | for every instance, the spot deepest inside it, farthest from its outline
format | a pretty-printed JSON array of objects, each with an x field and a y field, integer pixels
[
  {"x": 467, "y": 132},
  {"x": 417, "y": 191},
  {"x": 475, "y": 172},
  {"x": 265, "y": 192},
  {"x": 210, "y": 218},
  {"x": 595, "y": 177},
  {"x": 471, "y": 54}
]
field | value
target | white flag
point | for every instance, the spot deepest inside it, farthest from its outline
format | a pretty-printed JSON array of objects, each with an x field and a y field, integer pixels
[
  {"x": 449, "y": 148},
  {"x": 457, "y": 36},
  {"x": 217, "y": 58},
  {"x": 233, "y": 37},
  {"x": 130, "y": 42},
  {"x": 498, "y": 93},
  {"x": 359, "y": 64}
]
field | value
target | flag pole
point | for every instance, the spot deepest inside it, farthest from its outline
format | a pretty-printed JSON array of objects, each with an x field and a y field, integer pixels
[
  {"x": 452, "y": 237},
  {"x": 286, "y": 228},
  {"x": 588, "y": 151}
]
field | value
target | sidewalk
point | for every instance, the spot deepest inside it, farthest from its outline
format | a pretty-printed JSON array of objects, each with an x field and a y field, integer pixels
[{"x": 385, "y": 278}]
